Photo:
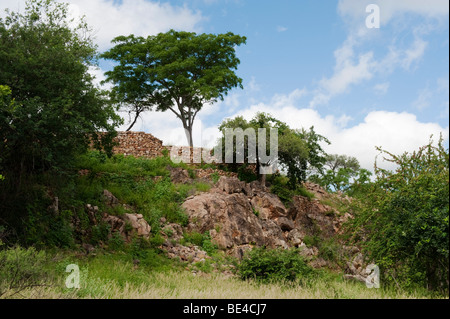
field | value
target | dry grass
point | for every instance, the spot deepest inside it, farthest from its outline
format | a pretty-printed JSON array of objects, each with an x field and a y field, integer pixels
[
  {"x": 185, "y": 285},
  {"x": 110, "y": 277}
]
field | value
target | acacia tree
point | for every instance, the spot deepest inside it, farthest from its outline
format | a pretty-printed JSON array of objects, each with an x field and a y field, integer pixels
[{"x": 176, "y": 71}]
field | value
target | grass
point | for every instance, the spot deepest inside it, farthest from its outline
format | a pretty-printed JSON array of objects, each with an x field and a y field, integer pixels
[{"x": 115, "y": 276}]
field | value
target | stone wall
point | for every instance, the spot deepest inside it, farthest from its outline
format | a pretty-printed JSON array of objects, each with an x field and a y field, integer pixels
[{"x": 138, "y": 144}]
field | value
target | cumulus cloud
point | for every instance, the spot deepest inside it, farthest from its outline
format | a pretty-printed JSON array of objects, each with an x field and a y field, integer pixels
[
  {"x": 356, "y": 9},
  {"x": 139, "y": 17},
  {"x": 397, "y": 132},
  {"x": 110, "y": 18},
  {"x": 355, "y": 61}
]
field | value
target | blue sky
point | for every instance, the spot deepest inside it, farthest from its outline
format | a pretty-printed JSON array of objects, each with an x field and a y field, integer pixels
[{"x": 307, "y": 63}]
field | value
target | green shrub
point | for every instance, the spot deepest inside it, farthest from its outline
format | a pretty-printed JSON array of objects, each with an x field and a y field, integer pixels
[
  {"x": 404, "y": 224},
  {"x": 20, "y": 269},
  {"x": 100, "y": 233},
  {"x": 274, "y": 265},
  {"x": 280, "y": 187},
  {"x": 116, "y": 241},
  {"x": 215, "y": 177},
  {"x": 200, "y": 240}
]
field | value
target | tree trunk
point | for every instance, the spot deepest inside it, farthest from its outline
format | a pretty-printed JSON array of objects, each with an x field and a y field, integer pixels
[
  {"x": 134, "y": 121},
  {"x": 188, "y": 131},
  {"x": 263, "y": 180},
  {"x": 261, "y": 177}
]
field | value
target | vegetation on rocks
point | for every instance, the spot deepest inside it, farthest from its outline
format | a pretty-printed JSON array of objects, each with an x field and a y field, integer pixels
[{"x": 150, "y": 228}]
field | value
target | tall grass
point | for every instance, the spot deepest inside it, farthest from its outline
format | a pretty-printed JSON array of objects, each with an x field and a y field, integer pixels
[{"x": 116, "y": 276}]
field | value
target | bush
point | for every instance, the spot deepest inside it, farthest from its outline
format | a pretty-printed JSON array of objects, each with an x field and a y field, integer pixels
[
  {"x": 200, "y": 240},
  {"x": 404, "y": 225},
  {"x": 280, "y": 187},
  {"x": 274, "y": 265},
  {"x": 20, "y": 269}
]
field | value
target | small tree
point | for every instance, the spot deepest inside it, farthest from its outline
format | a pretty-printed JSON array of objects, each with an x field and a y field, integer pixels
[
  {"x": 298, "y": 150},
  {"x": 176, "y": 71}
]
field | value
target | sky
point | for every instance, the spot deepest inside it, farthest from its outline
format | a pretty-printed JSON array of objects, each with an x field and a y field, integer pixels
[{"x": 307, "y": 63}]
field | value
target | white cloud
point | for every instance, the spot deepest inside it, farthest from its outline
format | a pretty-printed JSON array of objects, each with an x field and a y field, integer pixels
[
  {"x": 393, "y": 131},
  {"x": 253, "y": 86},
  {"x": 139, "y": 17},
  {"x": 423, "y": 100},
  {"x": 110, "y": 18},
  {"x": 354, "y": 66},
  {"x": 281, "y": 28},
  {"x": 381, "y": 88},
  {"x": 356, "y": 9},
  {"x": 349, "y": 70},
  {"x": 348, "y": 73}
]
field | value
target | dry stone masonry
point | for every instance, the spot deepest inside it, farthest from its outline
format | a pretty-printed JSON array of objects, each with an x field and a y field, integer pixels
[{"x": 138, "y": 144}]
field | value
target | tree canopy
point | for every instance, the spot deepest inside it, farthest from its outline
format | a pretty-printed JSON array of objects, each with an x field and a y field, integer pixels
[
  {"x": 49, "y": 106},
  {"x": 297, "y": 150},
  {"x": 177, "y": 71}
]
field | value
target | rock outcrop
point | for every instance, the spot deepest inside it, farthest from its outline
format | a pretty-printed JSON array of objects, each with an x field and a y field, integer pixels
[
  {"x": 239, "y": 216},
  {"x": 127, "y": 225},
  {"x": 236, "y": 214}
]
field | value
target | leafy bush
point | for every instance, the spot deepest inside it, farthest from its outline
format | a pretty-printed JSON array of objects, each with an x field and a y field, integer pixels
[
  {"x": 20, "y": 269},
  {"x": 280, "y": 187},
  {"x": 404, "y": 225},
  {"x": 200, "y": 240},
  {"x": 269, "y": 265},
  {"x": 116, "y": 241}
]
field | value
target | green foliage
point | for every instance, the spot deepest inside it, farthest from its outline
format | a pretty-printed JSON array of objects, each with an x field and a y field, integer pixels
[
  {"x": 176, "y": 71},
  {"x": 132, "y": 181},
  {"x": 44, "y": 62},
  {"x": 201, "y": 240},
  {"x": 280, "y": 187},
  {"x": 50, "y": 109},
  {"x": 342, "y": 173},
  {"x": 20, "y": 269},
  {"x": 298, "y": 150},
  {"x": 274, "y": 265},
  {"x": 215, "y": 177},
  {"x": 405, "y": 221},
  {"x": 100, "y": 232},
  {"x": 116, "y": 241}
]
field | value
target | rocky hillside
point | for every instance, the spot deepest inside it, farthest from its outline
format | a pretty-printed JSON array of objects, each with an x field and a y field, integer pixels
[{"x": 238, "y": 216}]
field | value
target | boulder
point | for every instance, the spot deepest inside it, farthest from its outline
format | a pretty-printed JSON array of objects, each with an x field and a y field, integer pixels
[
  {"x": 109, "y": 198},
  {"x": 228, "y": 218},
  {"x": 239, "y": 251},
  {"x": 295, "y": 237},
  {"x": 186, "y": 253},
  {"x": 179, "y": 175},
  {"x": 273, "y": 235},
  {"x": 313, "y": 217},
  {"x": 138, "y": 224},
  {"x": 285, "y": 224},
  {"x": 268, "y": 205},
  {"x": 230, "y": 185},
  {"x": 121, "y": 224}
]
